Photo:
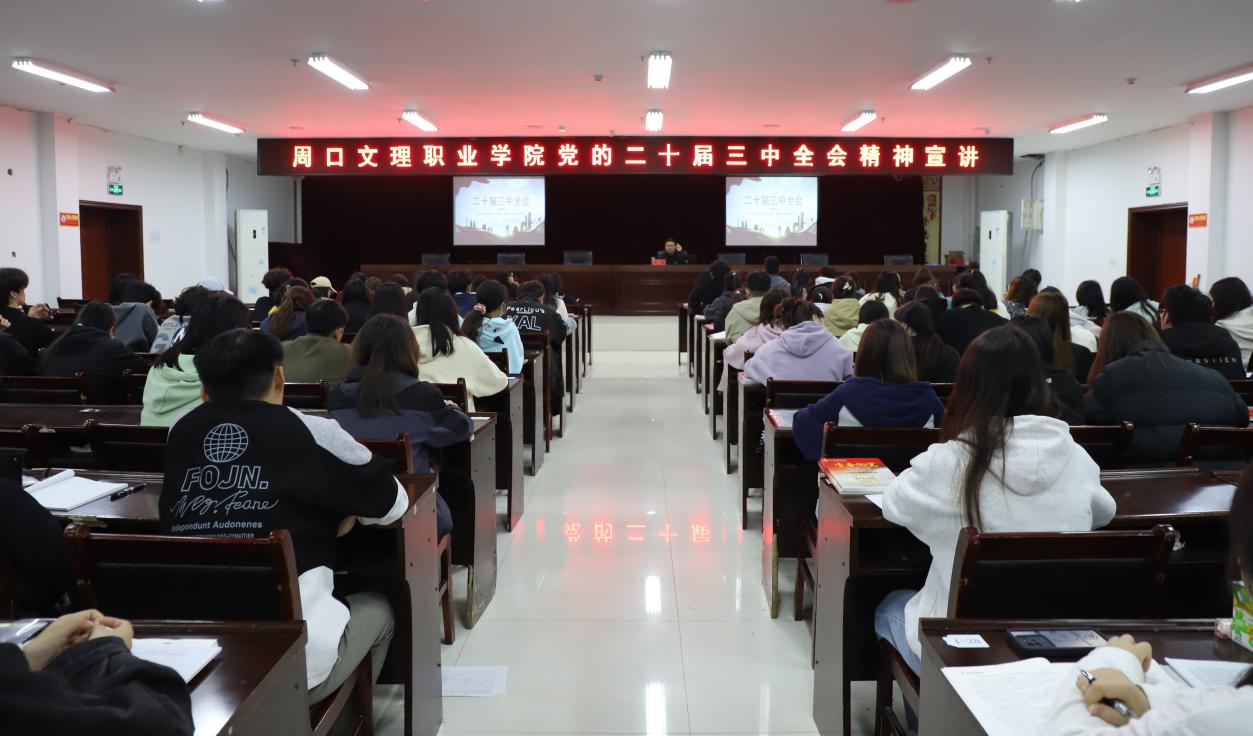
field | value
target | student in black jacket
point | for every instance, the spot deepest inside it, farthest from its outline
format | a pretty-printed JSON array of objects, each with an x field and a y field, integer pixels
[
  {"x": 1067, "y": 391},
  {"x": 1187, "y": 331},
  {"x": 27, "y": 325},
  {"x": 937, "y": 360},
  {"x": 716, "y": 311},
  {"x": 33, "y": 542},
  {"x": 89, "y": 347},
  {"x": 1136, "y": 379},
  {"x": 77, "y": 677},
  {"x": 356, "y": 301},
  {"x": 530, "y": 314},
  {"x": 967, "y": 320},
  {"x": 14, "y": 358},
  {"x": 709, "y": 286},
  {"x": 273, "y": 280},
  {"x": 673, "y": 254}
]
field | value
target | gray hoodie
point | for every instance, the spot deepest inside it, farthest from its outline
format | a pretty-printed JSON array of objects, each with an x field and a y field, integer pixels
[{"x": 136, "y": 325}]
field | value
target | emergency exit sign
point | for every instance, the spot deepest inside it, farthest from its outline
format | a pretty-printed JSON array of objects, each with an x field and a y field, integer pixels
[
  {"x": 1153, "y": 190},
  {"x": 115, "y": 190}
]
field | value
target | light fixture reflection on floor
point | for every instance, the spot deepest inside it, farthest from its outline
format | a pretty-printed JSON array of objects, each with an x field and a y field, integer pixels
[
  {"x": 655, "y": 708},
  {"x": 652, "y": 595}
]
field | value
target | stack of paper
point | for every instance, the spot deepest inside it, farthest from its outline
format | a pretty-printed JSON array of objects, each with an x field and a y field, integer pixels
[
  {"x": 1009, "y": 699},
  {"x": 185, "y": 656},
  {"x": 65, "y": 491},
  {"x": 783, "y": 417}
]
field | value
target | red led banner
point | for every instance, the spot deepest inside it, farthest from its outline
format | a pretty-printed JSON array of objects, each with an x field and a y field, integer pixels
[{"x": 557, "y": 156}]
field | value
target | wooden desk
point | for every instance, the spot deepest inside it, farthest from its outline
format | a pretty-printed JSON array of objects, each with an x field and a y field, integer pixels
[
  {"x": 579, "y": 354},
  {"x": 507, "y": 405},
  {"x": 569, "y": 356},
  {"x": 474, "y": 541},
  {"x": 698, "y": 349},
  {"x": 704, "y": 369},
  {"x": 750, "y": 465},
  {"x": 713, "y": 397},
  {"x": 534, "y": 408},
  {"x": 861, "y": 557},
  {"x": 943, "y": 713},
  {"x": 685, "y": 316},
  {"x": 398, "y": 560},
  {"x": 587, "y": 335},
  {"x": 784, "y": 500},
  {"x": 731, "y": 436},
  {"x": 255, "y": 687}
]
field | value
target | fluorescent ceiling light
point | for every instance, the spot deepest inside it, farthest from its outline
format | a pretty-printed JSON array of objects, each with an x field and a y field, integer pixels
[
  {"x": 659, "y": 70},
  {"x": 942, "y": 72},
  {"x": 61, "y": 74},
  {"x": 413, "y": 118},
  {"x": 1222, "y": 81},
  {"x": 1079, "y": 124},
  {"x": 860, "y": 121},
  {"x": 201, "y": 119},
  {"x": 652, "y": 121},
  {"x": 336, "y": 71}
]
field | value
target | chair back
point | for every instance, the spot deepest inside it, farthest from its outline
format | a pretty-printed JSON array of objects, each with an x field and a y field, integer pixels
[
  {"x": 64, "y": 316},
  {"x": 150, "y": 576},
  {"x": 1061, "y": 575},
  {"x": 64, "y": 303},
  {"x": 511, "y": 259},
  {"x": 457, "y": 393},
  {"x": 1109, "y": 446},
  {"x": 815, "y": 259},
  {"x": 577, "y": 257},
  {"x": 733, "y": 259},
  {"x": 500, "y": 358},
  {"x": 796, "y": 394},
  {"x": 305, "y": 395},
  {"x": 1198, "y": 440},
  {"x": 127, "y": 446},
  {"x": 943, "y": 390},
  {"x": 397, "y": 450},
  {"x": 43, "y": 389},
  {"x": 436, "y": 259},
  {"x": 896, "y": 447},
  {"x": 135, "y": 383}
]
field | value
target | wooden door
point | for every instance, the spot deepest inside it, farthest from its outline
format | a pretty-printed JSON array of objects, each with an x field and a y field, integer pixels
[
  {"x": 1157, "y": 247},
  {"x": 111, "y": 242}
]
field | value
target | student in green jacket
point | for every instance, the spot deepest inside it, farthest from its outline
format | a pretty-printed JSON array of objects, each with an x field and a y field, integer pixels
[{"x": 319, "y": 355}]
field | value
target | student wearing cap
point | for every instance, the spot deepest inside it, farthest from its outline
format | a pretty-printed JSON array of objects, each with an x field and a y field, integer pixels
[{"x": 322, "y": 288}]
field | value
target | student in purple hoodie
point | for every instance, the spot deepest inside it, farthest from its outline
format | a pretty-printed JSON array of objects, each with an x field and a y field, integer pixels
[
  {"x": 884, "y": 392},
  {"x": 805, "y": 351}
]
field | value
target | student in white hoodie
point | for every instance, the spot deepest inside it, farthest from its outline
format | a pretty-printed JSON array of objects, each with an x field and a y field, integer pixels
[
  {"x": 444, "y": 355},
  {"x": 1005, "y": 465},
  {"x": 1159, "y": 706},
  {"x": 1233, "y": 311}
]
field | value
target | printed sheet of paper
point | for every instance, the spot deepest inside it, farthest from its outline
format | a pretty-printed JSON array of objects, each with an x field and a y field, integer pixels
[
  {"x": 187, "y": 657},
  {"x": 474, "y": 682},
  {"x": 1006, "y": 698}
]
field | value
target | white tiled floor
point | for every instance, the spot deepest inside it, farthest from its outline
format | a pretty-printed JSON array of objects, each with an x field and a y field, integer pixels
[{"x": 629, "y": 601}]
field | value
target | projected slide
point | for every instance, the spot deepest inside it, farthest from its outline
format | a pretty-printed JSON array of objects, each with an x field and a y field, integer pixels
[
  {"x": 498, "y": 210},
  {"x": 772, "y": 210}
]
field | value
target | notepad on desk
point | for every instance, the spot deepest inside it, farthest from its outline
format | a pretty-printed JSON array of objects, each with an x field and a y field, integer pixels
[
  {"x": 65, "y": 491},
  {"x": 187, "y": 657},
  {"x": 1207, "y": 672},
  {"x": 857, "y": 476}
]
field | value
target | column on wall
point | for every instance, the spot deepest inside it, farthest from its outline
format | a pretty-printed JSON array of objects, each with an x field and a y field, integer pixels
[
  {"x": 57, "y": 155},
  {"x": 1207, "y": 185}
]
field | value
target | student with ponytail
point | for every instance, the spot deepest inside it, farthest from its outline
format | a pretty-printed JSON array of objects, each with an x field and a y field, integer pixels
[{"x": 486, "y": 326}]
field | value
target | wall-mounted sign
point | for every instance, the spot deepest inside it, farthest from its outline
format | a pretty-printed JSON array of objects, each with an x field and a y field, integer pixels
[
  {"x": 115, "y": 190},
  {"x": 1153, "y": 190},
  {"x": 1198, "y": 219},
  {"x": 69, "y": 219},
  {"x": 658, "y": 155},
  {"x": 115, "y": 180}
]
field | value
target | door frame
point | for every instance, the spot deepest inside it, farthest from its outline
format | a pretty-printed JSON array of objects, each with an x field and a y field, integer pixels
[{"x": 139, "y": 214}]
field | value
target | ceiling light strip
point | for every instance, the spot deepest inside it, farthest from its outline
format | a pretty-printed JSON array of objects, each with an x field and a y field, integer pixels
[
  {"x": 205, "y": 120},
  {"x": 861, "y": 121},
  {"x": 942, "y": 72},
  {"x": 61, "y": 74},
  {"x": 659, "y": 64},
  {"x": 1222, "y": 81},
  {"x": 652, "y": 121},
  {"x": 414, "y": 118},
  {"x": 1080, "y": 124},
  {"x": 337, "y": 71}
]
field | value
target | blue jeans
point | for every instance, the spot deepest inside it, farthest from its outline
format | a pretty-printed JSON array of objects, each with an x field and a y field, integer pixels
[{"x": 889, "y": 625}]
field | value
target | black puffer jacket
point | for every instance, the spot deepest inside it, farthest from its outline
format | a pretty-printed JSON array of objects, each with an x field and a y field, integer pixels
[
  {"x": 1160, "y": 393},
  {"x": 90, "y": 351},
  {"x": 1207, "y": 345}
]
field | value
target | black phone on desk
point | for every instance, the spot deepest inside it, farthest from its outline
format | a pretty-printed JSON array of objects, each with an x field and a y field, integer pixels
[{"x": 1060, "y": 643}]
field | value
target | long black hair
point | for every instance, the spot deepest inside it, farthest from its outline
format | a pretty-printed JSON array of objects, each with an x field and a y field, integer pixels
[
  {"x": 1125, "y": 292},
  {"x": 385, "y": 347},
  {"x": 389, "y": 298},
  {"x": 490, "y": 296},
  {"x": 1230, "y": 295},
  {"x": 1001, "y": 376},
  {"x": 1092, "y": 297},
  {"x": 215, "y": 314},
  {"x": 928, "y": 346},
  {"x": 889, "y": 282},
  {"x": 437, "y": 310}
]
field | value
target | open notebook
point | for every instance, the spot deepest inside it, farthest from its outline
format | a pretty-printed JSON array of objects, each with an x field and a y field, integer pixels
[
  {"x": 185, "y": 656},
  {"x": 65, "y": 490}
]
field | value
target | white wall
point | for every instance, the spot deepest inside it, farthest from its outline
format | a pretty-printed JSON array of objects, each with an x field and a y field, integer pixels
[
  {"x": 1240, "y": 195},
  {"x": 276, "y": 194},
  {"x": 1006, "y": 193},
  {"x": 19, "y": 197},
  {"x": 958, "y": 216}
]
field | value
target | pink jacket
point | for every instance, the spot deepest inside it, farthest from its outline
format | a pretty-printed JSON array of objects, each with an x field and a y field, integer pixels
[{"x": 749, "y": 342}]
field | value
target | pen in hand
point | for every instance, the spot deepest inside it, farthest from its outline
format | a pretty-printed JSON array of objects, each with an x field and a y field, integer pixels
[{"x": 1114, "y": 703}]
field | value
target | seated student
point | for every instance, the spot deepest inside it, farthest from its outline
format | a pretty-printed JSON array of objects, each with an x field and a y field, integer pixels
[
  {"x": 868, "y": 312},
  {"x": 709, "y": 286},
  {"x": 936, "y": 360},
  {"x": 1070, "y": 345},
  {"x": 1187, "y": 331},
  {"x": 322, "y": 288},
  {"x": 1019, "y": 294},
  {"x": 1004, "y": 466},
  {"x": 27, "y": 325},
  {"x": 89, "y": 348},
  {"x": 462, "y": 294},
  {"x": 1233, "y": 311},
  {"x": 288, "y": 322},
  {"x": 968, "y": 319},
  {"x": 1090, "y": 304},
  {"x": 820, "y": 297},
  {"x": 804, "y": 352},
  {"x": 273, "y": 280},
  {"x": 444, "y": 355},
  {"x": 1065, "y": 388},
  {"x": 383, "y": 397},
  {"x": 933, "y": 299},
  {"x": 551, "y": 289},
  {"x": 423, "y": 280},
  {"x": 402, "y": 281},
  {"x": 883, "y": 392},
  {"x": 32, "y": 542},
  {"x": 78, "y": 676},
  {"x": 136, "y": 322},
  {"x": 841, "y": 316},
  {"x": 14, "y": 358},
  {"x": 390, "y": 298},
  {"x": 974, "y": 279},
  {"x": 717, "y": 311},
  {"x": 771, "y": 267},
  {"x": 280, "y": 469},
  {"x": 799, "y": 286},
  {"x": 887, "y": 289},
  {"x": 923, "y": 277},
  {"x": 490, "y": 330},
  {"x": 509, "y": 281},
  {"x": 769, "y": 326},
  {"x": 673, "y": 254},
  {"x": 171, "y": 330},
  {"x": 173, "y": 386},
  {"x": 356, "y": 301},
  {"x": 1135, "y": 378},
  {"x": 530, "y": 314},
  {"x": 1125, "y": 294},
  {"x": 320, "y": 354},
  {"x": 745, "y": 313},
  {"x": 1159, "y": 705}
]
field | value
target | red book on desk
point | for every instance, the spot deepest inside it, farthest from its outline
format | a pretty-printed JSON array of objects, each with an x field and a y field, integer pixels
[{"x": 857, "y": 476}]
